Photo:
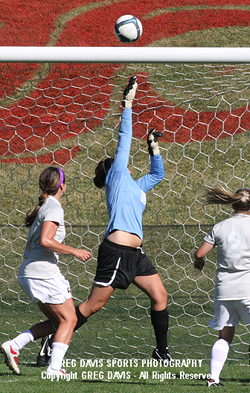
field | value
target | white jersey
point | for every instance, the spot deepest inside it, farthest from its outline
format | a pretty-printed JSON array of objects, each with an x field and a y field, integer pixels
[
  {"x": 39, "y": 262},
  {"x": 232, "y": 238}
]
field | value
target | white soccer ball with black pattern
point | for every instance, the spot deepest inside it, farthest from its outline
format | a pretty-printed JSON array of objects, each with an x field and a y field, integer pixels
[{"x": 128, "y": 29}]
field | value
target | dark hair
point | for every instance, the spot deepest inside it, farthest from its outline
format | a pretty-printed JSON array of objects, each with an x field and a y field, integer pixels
[
  {"x": 239, "y": 199},
  {"x": 101, "y": 171},
  {"x": 49, "y": 182}
]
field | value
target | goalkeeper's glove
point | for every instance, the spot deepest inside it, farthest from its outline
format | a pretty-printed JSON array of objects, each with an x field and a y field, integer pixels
[
  {"x": 129, "y": 93},
  {"x": 152, "y": 141}
]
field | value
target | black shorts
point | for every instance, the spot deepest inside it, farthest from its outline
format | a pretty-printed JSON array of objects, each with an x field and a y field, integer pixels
[{"x": 119, "y": 265}]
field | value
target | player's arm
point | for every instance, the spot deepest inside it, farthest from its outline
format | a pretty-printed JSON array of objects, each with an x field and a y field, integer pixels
[
  {"x": 124, "y": 141},
  {"x": 200, "y": 254},
  {"x": 125, "y": 130},
  {"x": 157, "y": 167},
  {"x": 47, "y": 240}
]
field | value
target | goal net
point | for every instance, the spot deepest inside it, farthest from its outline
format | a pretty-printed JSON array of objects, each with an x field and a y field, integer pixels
[{"x": 67, "y": 114}]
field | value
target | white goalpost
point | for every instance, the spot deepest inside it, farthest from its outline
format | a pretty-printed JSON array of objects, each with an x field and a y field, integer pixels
[
  {"x": 124, "y": 54},
  {"x": 61, "y": 106}
]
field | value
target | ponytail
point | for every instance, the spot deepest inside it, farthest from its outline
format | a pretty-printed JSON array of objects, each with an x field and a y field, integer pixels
[
  {"x": 30, "y": 217},
  {"x": 49, "y": 182},
  {"x": 239, "y": 199}
]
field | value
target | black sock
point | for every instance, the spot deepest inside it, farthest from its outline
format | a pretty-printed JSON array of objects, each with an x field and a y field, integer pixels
[
  {"x": 159, "y": 321},
  {"x": 81, "y": 319}
]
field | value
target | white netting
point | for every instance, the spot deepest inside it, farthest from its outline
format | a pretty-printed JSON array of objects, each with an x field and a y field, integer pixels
[{"x": 68, "y": 115}]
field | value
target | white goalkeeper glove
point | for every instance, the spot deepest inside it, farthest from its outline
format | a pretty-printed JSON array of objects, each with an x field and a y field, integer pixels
[
  {"x": 152, "y": 141},
  {"x": 129, "y": 93}
]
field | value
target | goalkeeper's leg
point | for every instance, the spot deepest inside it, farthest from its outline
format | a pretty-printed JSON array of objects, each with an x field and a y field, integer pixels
[{"x": 153, "y": 287}]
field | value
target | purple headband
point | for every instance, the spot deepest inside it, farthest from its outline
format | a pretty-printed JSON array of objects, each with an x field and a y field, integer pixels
[
  {"x": 61, "y": 178},
  {"x": 60, "y": 182}
]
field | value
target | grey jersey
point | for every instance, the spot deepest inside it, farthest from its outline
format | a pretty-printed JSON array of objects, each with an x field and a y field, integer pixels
[
  {"x": 40, "y": 262},
  {"x": 232, "y": 238}
]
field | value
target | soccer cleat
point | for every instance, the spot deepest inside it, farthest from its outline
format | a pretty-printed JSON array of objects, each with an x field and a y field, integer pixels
[
  {"x": 45, "y": 352},
  {"x": 129, "y": 92},
  {"x": 211, "y": 383},
  {"x": 160, "y": 356},
  {"x": 11, "y": 357}
]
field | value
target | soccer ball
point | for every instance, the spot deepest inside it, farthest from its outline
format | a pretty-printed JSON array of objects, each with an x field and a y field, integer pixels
[{"x": 128, "y": 29}]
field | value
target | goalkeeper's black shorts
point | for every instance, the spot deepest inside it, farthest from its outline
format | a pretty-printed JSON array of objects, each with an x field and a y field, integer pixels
[{"x": 119, "y": 265}]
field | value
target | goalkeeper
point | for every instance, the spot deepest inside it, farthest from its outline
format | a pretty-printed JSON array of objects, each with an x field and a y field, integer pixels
[{"x": 121, "y": 260}]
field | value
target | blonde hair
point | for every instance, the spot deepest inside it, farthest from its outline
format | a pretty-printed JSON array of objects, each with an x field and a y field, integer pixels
[{"x": 240, "y": 199}]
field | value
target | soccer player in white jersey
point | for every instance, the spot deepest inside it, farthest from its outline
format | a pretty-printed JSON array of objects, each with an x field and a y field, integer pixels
[
  {"x": 232, "y": 289},
  {"x": 40, "y": 278}
]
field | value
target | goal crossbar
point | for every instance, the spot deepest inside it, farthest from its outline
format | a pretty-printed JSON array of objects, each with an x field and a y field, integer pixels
[{"x": 124, "y": 54}]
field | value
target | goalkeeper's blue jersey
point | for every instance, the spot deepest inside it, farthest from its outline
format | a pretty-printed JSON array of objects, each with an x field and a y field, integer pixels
[{"x": 126, "y": 198}]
